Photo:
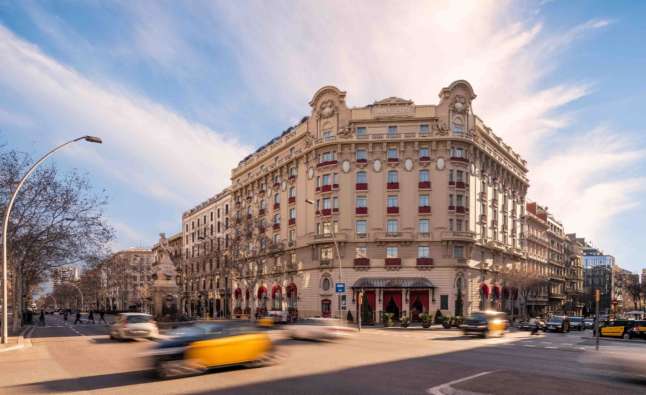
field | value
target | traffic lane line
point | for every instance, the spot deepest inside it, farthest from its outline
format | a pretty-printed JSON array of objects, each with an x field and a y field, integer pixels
[{"x": 446, "y": 388}]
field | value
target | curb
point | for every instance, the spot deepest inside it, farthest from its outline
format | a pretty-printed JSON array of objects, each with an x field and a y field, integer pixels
[
  {"x": 21, "y": 340},
  {"x": 615, "y": 340}
]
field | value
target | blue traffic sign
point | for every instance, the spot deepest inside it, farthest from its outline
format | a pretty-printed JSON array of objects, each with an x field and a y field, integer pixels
[{"x": 340, "y": 288}]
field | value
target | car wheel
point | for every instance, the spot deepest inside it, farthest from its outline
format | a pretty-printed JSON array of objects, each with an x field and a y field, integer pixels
[{"x": 626, "y": 335}]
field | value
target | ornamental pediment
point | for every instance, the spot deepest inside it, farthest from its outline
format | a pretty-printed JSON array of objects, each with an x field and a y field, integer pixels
[
  {"x": 392, "y": 107},
  {"x": 393, "y": 101}
]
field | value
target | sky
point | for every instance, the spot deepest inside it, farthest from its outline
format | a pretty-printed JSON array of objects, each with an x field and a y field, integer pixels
[{"x": 181, "y": 91}]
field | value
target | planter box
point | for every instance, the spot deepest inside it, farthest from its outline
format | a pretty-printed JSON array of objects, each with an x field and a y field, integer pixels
[
  {"x": 261, "y": 211},
  {"x": 392, "y": 185},
  {"x": 459, "y": 159},
  {"x": 460, "y": 184},
  {"x": 362, "y": 160},
  {"x": 276, "y": 226},
  {"x": 460, "y": 209},
  {"x": 393, "y": 160},
  {"x": 361, "y": 186},
  {"x": 424, "y": 185},
  {"x": 392, "y": 210},
  {"x": 361, "y": 210},
  {"x": 451, "y": 208},
  {"x": 424, "y": 209},
  {"x": 327, "y": 163},
  {"x": 424, "y": 158},
  {"x": 326, "y": 188}
]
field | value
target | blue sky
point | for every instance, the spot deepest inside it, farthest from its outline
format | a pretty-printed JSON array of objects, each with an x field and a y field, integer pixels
[{"x": 180, "y": 91}]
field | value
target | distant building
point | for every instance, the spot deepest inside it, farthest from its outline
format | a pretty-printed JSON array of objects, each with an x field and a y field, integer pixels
[
  {"x": 64, "y": 274},
  {"x": 598, "y": 275},
  {"x": 127, "y": 278}
]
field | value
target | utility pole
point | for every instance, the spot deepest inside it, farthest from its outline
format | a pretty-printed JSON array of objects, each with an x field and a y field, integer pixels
[{"x": 597, "y": 298}]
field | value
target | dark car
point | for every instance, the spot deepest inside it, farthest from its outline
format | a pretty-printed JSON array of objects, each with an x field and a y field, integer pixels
[
  {"x": 638, "y": 330},
  {"x": 485, "y": 324},
  {"x": 558, "y": 323},
  {"x": 576, "y": 323},
  {"x": 529, "y": 325}
]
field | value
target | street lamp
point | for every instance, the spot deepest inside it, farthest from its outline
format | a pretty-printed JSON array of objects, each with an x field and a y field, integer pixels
[
  {"x": 338, "y": 255},
  {"x": 5, "y": 247}
]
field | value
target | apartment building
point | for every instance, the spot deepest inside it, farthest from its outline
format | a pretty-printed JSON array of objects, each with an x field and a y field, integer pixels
[
  {"x": 127, "y": 280},
  {"x": 203, "y": 278},
  {"x": 415, "y": 206}
]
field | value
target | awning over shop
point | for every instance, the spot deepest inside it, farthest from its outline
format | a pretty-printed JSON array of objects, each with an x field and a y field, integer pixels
[{"x": 393, "y": 282}]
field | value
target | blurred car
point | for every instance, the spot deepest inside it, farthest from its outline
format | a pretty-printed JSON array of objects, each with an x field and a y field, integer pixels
[
  {"x": 197, "y": 348},
  {"x": 485, "y": 324},
  {"x": 558, "y": 323},
  {"x": 529, "y": 325},
  {"x": 638, "y": 330},
  {"x": 318, "y": 329},
  {"x": 616, "y": 328},
  {"x": 588, "y": 323},
  {"x": 279, "y": 316},
  {"x": 576, "y": 323},
  {"x": 133, "y": 326}
]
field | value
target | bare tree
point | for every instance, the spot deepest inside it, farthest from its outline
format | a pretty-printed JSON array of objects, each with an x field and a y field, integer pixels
[
  {"x": 525, "y": 283},
  {"x": 57, "y": 220}
]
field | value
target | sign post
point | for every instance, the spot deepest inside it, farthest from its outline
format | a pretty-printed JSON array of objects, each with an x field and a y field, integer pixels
[
  {"x": 597, "y": 299},
  {"x": 359, "y": 305},
  {"x": 340, "y": 290}
]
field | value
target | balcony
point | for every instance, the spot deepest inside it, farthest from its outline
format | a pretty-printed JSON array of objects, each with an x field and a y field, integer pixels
[
  {"x": 424, "y": 185},
  {"x": 276, "y": 226},
  {"x": 451, "y": 183},
  {"x": 361, "y": 210},
  {"x": 362, "y": 160},
  {"x": 458, "y": 236},
  {"x": 392, "y": 210},
  {"x": 393, "y": 262},
  {"x": 460, "y": 209},
  {"x": 424, "y": 158},
  {"x": 325, "y": 262},
  {"x": 276, "y": 206},
  {"x": 394, "y": 236},
  {"x": 459, "y": 159},
  {"x": 326, "y": 212},
  {"x": 276, "y": 185},
  {"x": 392, "y": 185},
  {"x": 292, "y": 178},
  {"x": 292, "y": 221},
  {"x": 460, "y": 184},
  {"x": 335, "y": 210},
  {"x": 335, "y": 186},
  {"x": 361, "y": 262},
  {"x": 261, "y": 211},
  {"x": 451, "y": 208},
  {"x": 326, "y": 188},
  {"x": 424, "y": 209},
  {"x": 361, "y": 186},
  {"x": 393, "y": 160},
  {"x": 424, "y": 261},
  {"x": 327, "y": 163}
]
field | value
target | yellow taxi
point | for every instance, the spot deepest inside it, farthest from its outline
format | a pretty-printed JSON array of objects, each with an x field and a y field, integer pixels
[
  {"x": 616, "y": 328},
  {"x": 197, "y": 348},
  {"x": 485, "y": 323}
]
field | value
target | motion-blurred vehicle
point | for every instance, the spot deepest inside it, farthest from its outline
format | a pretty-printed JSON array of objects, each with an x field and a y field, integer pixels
[
  {"x": 638, "y": 330},
  {"x": 134, "y": 326},
  {"x": 558, "y": 323},
  {"x": 279, "y": 317},
  {"x": 318, "y": 329},
  {"x": 576, "y": 323},
  {"x": 529, "y": 325},
  {"x": 588, "y": 323},
  {"x": 485, "y": 324},
  {"x": 616, "y": 328},
  {"x": 195, "y": 349}
]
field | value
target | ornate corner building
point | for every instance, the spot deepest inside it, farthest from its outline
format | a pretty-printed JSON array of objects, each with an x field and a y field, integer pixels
[{"x": 415, "y": 205}]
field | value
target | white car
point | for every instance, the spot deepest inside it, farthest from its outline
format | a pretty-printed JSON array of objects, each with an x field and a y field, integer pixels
[
  {"x": 319, "y": 329},
  {"x": 133, "y": 326}
]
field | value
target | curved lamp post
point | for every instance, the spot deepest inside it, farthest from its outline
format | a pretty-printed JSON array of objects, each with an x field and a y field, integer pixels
[{"x": 5, "y": 247}]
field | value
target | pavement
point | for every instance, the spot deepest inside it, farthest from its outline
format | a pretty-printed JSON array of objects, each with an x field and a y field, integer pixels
[{"x": 65, "y": 358}]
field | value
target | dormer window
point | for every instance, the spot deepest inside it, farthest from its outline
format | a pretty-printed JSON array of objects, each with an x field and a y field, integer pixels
[{"x": 361, "y": 131}]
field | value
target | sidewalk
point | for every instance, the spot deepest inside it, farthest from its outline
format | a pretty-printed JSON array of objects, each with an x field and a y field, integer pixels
[{"x": 17, "y": 342}]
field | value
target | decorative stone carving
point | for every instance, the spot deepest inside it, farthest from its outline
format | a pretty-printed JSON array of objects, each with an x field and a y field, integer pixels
[
  {"x": 408, "y": 164},
  {"x": 345, "y": 166},
  {"x": 327, "y": 109},
  {"x": 308, "y": 139},
  {"x": 439, "y": 164},
  {"x": 345, "y": 132},
  {"x": 376, "y": 165},
  {"x": 310, "y": 173},
  {"x": 459, "y": 104}
]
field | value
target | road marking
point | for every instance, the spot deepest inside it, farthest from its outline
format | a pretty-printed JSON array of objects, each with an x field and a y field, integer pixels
[{"x": 446, "y": 389}]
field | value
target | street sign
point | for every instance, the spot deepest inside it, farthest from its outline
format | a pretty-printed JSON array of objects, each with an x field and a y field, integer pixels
[{"x": 340, "y": 288}]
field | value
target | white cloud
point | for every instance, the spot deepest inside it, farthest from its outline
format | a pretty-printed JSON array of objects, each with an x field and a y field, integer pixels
[
  {"x": 148, "y": 147},
  {"x": 378, "y": 50}
]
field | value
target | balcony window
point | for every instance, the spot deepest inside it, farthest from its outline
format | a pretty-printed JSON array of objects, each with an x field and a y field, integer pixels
[
  {"x": 393, "y": 201},
  {"x": 423, "y": 128},
  {"x": 459, "y": 200},
  {"x": 291, "y": 235},
  {"x": 361, "y": 132},
  {"x": 327, "y": 135},
  {"x": 458, "y": 125},
  {"x": 424, "y": 226},
  {"x": 457, "y": 152},
  {"x": 458, "y": 225},
  {"x": 361, "y": 227},
  {"x": 392, "y": 155},
  {"x": 392, "y": 131},
  {"x": 424, "y": 201},
  {"x": 292, "y": 172},
  {"x": 458, "y": 251},
  {"x": 361, "y": 201},
  {"x": 327, "y": 203},
  {"x": 361, "y": 252},
  {"x": 392, "y": 226},
  {"x": 361, "y": 155},
  {"x": 277, "y": 219},
  {"x": 423, "y": 252},
  {"x": 362, "y": 177},
  {"x": 423, "y": 153},
  {"x": 326, "y": 253},
  {"x": 392, "y": 252},
  {"x": 276, "y": 198},
  {"x": 325, "y": 180},
  {"x": 393, "y": 177},
  {"x": 292, "y": 213}
]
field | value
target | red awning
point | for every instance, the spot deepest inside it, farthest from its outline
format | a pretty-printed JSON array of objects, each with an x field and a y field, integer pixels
[
  {"x": 276, "y": 289},
  {"x": 237, "y": 293},
  {"x": 485, "y": 290},
  {"x": 496, "y": 292},
  {"x": 262, "y": 291},
  {"x": 291, "y": 289}
]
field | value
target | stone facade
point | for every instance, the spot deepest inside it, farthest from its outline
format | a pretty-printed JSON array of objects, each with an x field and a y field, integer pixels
[
  {"x": 126, "y": 280},
  {"x": 416, "y": 205}
]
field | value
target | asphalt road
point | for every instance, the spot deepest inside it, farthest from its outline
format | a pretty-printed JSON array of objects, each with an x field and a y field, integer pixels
[{"x": 65, "y": 358}]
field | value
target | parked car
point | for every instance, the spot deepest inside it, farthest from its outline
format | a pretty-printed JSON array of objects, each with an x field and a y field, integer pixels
[
  {"x": 576, "y": 323},
  {"x": 558, "y": 323},
  {"x": 616, "y": 328},
  {"x": 197, "y": 348},
  {"x": 485, "y": 324},
  {"x": 588, "y": 323},
  {"x": 133, "y": 326},
  {"x": 318, "y": 329},
  {"x": 529, "y": 325}
]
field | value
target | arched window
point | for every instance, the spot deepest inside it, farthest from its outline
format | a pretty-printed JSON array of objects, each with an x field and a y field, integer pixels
[
  {"x": 362, "y": 177},
  {"x": 276, "y": 198},
  {"x": 277, "y": 298},
  {"x": 326, "y": 284},
  {"x": 263, "y": 204},
  {"x": 326, "y": 308},
  {"x": 292, "y": 191},
  {"x": 458, "y": 124},
  {"x": 291, "y": 293}
]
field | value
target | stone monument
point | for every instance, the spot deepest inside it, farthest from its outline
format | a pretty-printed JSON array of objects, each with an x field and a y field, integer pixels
[{"x": 164, "y": 288}]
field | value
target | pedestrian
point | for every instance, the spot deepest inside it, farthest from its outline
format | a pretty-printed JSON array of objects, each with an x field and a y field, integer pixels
[
  {"x": 102, "y": 317},
  {"x": 41, "y": 319},
  {"x": 65, "y": 315},
  {"x": 78, "y": 317},
  {"x": 534, "y": 324},
  {"x": 90, "y": 317}
]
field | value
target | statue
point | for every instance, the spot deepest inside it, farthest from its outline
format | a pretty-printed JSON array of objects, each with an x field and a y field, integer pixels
[{"x": 164, "y": 287}]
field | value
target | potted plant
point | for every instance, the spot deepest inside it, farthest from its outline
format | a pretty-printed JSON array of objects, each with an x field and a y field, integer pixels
[
  {"x": 387, "y": 319},
  {"x": 426, "y": 320},
  {"x": 446, "y": 322},
  {"x": 405, "y": 321},
  {"x": 438, "y": 317}
]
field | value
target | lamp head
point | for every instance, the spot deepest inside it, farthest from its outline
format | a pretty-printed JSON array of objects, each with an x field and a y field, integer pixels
[{"x": 93, "y": 139}]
